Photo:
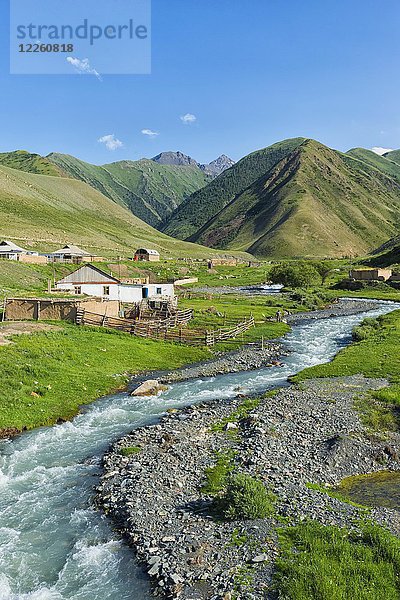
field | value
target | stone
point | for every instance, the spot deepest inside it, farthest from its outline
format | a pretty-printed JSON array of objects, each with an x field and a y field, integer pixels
[
  {"x": 260, "y": 558},
  {"x": 151, "y": 387}
]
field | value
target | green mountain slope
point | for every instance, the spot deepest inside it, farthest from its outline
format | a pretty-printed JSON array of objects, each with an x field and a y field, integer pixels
[
  {"x": 393, "y": 155},
  {"x": 381, "y": 163},
  {"x": 314, "y": 202},
  {"x": 207, "y": 202},
  {"x": 386, "y": 255},
  {"x": 39, "y": 211},
  {"x": 31, "y": 163},
  {"x": 151, "y": 191}
]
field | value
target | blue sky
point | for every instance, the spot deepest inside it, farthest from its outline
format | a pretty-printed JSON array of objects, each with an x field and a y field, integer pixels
[{"x": 252, "y": 72}]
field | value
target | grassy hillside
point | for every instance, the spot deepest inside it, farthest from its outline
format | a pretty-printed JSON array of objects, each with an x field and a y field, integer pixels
[
  {"x": 207, "y": 202},
  {"x": 45, "y": 212},
  {"x": 394, "y": 156},
  {"x": 314, "y": 202},
  {"x": 151, "y": 191},
  {"x": 386, "y": 255},
  {"x": 385, "y": 165},
  {"x": 31, "y": 163}
]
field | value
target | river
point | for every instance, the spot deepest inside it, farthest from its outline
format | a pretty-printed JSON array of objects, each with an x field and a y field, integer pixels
[{"x": 53, "y": 544}]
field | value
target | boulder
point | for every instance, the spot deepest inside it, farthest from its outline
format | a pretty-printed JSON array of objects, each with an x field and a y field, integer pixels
[{"x": 151, "y": 387}]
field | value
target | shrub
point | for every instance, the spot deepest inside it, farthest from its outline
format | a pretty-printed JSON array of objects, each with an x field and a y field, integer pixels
[
  {"x": 298, "y": 274},
  {"x": 246, "y": 498},
  {"x": 366, "y": 329}
]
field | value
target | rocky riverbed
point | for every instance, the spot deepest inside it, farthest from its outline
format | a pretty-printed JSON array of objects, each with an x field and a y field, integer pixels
[
  {"x": 301, "y": 434},
  {"x": 342, "y": 308},
  {"x": 248, "y": 357}
]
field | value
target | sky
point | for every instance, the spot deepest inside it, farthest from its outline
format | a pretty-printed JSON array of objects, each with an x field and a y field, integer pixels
[{"x": 227, "y": 77}]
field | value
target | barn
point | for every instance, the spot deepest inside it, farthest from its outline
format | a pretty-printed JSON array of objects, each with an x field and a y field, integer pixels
[
  {"x": 92, "y": 281},
  {"x": 147, "y": 254}
]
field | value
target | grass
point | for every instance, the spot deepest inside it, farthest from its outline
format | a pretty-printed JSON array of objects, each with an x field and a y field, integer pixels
[
  {"x": 216, "y": 477},
  {"x": 213, "y": 313},
  {"x": 338, "y": 493},
  {"x": 377, "y": 356},
  {"x": 46, "y": 376},
  {"x": 330, "y": 563},
  {"x": 130, "y": 450},
  {"x": 242, "y": 412}
]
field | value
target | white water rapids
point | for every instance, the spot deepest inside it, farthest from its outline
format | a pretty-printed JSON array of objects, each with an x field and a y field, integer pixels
[{"x": 53, "y": 545}]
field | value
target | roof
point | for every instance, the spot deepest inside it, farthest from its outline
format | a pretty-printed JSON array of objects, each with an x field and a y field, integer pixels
[
  {"x": 73, "y": 250},
  {"x": 7, "y": 246},
  {"x": 88, "y": 274},
  {"x": 147, "y": 251}
]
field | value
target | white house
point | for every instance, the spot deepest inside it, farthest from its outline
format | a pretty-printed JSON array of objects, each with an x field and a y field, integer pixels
[
  {"x": 10, "y": 251},
  {"x": 92, "y": 281}
]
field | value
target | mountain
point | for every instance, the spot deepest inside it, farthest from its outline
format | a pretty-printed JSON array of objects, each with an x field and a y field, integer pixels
[
  {"x": 386, "y": 255},
  {"x": 295, "y": 198},
  {"x": 28, "y": 162},
  {"x": 393, "y": 155},
  {"x": 212, "y": 169},
  {"x": 218, "y": 166},
  {"x": 382, "y": 163},
  {"x": 177, "y": 159},
  {"x": 45, "y": 212},
  {"x": 150, "y": 190},
  {"x": 207, "y": 202}
]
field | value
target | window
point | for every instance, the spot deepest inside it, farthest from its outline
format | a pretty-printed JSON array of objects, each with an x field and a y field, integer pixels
[
  {"x": 158, "y": 290},
  {"x": 77, "y": 290},
  {"x": 106, "y": 290}
]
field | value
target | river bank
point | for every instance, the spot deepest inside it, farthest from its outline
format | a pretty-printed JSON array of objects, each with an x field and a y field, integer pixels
[
  {"x": 303, "y": 434},
  {"x": 253, "y": 356}
]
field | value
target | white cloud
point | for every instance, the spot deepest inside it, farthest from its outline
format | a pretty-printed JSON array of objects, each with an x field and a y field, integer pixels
[
  {"x": 381, "y": 151},
  {"x": 83, "y": 66},
  {"x": 150, "y": 133},
  {"x": 111, "y": 142},
  {"x": 188, "y": 119}
]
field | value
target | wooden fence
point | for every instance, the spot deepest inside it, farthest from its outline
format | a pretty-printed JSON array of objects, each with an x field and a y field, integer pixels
[{"x": 164, "y": 330}]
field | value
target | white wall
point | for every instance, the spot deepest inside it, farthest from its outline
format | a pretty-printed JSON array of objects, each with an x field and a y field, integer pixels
[{"x": 123, "y": 293}]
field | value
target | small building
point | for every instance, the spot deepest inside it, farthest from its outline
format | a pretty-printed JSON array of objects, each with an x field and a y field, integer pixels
[
  {"x": 92, "y": 281},
  {"x": 73, "y": 254},
  {"x": 10, "y": 251},
  {"x": 147, "y": 254},
  {"x": 222, "y": 262},
  {"x": 370, "y": 274}
]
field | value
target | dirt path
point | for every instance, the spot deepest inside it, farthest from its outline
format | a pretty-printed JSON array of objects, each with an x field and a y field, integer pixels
[{"x": 22, "y": 327}]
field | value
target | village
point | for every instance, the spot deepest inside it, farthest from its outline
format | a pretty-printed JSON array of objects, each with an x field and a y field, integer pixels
[{"x": 91, "y": 296}]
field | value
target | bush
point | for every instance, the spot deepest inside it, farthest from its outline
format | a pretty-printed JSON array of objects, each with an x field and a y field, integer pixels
[
  {"x": 298, "y": 274},
  {"x": 366, "y": 329},
  {"x": 246, "y": 498}
]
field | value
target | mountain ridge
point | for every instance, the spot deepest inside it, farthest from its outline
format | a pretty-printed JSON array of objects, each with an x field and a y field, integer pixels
[{"x": 314, "y": 201}]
